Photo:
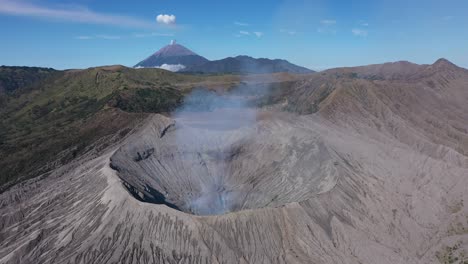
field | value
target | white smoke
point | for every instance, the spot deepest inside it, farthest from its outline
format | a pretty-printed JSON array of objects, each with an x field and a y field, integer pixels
[
  {"x": 203, "y": 124},
  {"x": 211, "y": 128}
]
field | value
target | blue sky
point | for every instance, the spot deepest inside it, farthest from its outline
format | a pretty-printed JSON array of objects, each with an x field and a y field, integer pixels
[{"x": 316, "y": 34}]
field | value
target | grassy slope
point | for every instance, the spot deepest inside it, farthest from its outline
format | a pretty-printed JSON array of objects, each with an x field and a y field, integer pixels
[
  {"x": 56, "y": 120},
  {"x": 14, "y": 78},
  {"x": 15, "y": 81}
]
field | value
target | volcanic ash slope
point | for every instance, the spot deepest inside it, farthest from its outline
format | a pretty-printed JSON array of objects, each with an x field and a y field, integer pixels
[{"x": 360, "y": 181}]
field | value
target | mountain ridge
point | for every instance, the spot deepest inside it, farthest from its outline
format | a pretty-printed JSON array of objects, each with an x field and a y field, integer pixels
[
  {"x": 176, "y": 57},
  {"x": 243, "y": 64},
  {"x": 398, "y": 70}
]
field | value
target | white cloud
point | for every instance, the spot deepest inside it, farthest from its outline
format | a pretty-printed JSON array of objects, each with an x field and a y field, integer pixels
[
  {"x": 244, "y": 32},
  {"x": 167, "y": 67},
  {"x": 172, "y": 67},
  {"x": 166, "y": 19},
  {"x": 241, "y": 24},
  {"x": 258, "y": 34},
  {"x": 72, "y": 14},
  {"x": 359, "y": 32},
  {"x": 328, "y": 22},
  {"x": 365, "y": 24}
]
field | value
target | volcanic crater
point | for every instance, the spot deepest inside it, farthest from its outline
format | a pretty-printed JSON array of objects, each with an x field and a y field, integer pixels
[{"x": 226, "y": 160}]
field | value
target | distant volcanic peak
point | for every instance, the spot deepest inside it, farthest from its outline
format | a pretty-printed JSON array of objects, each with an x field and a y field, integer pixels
[
  {"x": 173, "y": 55},
  {"x": 174, "y": 49}
]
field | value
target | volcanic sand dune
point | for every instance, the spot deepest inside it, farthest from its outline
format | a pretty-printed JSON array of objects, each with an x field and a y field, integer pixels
[{"x": 377, "y": 175}]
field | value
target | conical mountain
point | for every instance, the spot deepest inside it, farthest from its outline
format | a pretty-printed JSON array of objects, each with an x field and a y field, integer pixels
[{"x": 174, "y": 57}]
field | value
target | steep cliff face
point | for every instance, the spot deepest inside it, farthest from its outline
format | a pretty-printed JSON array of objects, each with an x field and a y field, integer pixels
[{"x": 377, "y": 171}]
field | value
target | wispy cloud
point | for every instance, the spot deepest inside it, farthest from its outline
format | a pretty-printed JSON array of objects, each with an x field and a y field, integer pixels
[
  {"x": 363, "y": 23},
  {"x": 116, "y": 37},
  {"x": 244, "y": 33},
  {"x": 110, "y": 37},
  {"x": 359, "y": 32},
  {"x": 326, "y": 30},
  {"x": 152, "y": 34},
  {"x": 328, "y": 22},
  {"x": 327, "y": 26},
  {"x": 166, "y": 19},
  {"x": 241, "y": 24},
  {"x": 72, "y": 14},
  {"x": 258, "y": 34},
  {"x": 289, "y": 32},
  {"x": 83, "y": 37}
]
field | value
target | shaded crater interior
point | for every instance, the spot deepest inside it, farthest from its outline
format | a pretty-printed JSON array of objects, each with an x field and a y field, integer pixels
[{"x": 200, "y": 166}]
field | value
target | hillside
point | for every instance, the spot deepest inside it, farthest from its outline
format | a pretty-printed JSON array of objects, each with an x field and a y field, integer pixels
[
  {"x": 350, "y": 165},
  {"x": 52, "y": 122},
  {"x": 247, "y": 65},
  {"x": 51, "y": 117},
  {"x": 13, "y": 78}
]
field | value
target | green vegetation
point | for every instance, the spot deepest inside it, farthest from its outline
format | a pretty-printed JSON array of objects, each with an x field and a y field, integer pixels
[
  {"x": 453, "y": 254},
  {"x": 49, "y": 119},
  {"x": 17, "y": 80},
  {"x": 14, "y": 78},
  {"x": 147, "y": 100}
]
